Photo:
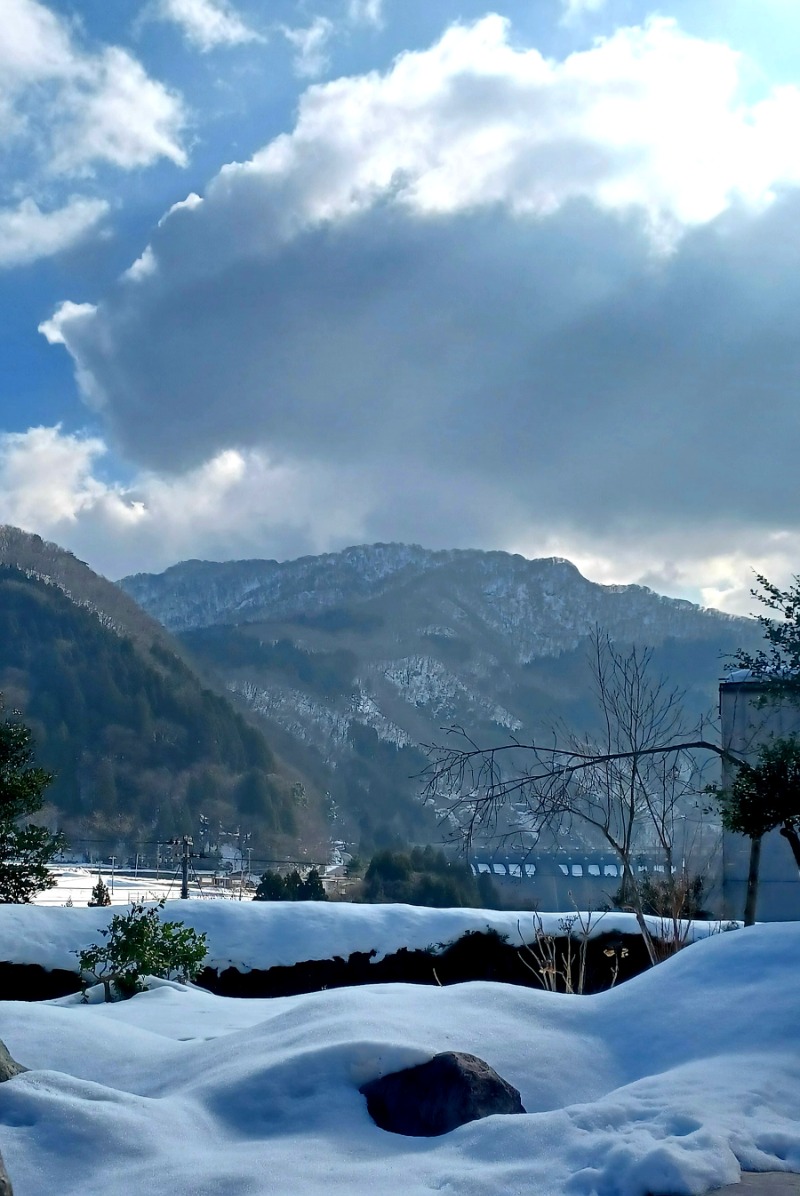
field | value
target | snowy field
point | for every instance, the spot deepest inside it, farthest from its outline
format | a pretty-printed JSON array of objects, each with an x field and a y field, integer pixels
[
  {"x": 75, "y": 883},
  {"x": 669, "y": 1083}
]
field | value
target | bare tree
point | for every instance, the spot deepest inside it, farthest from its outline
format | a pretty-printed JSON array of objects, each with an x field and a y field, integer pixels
[{"x": 636, "y": 784}]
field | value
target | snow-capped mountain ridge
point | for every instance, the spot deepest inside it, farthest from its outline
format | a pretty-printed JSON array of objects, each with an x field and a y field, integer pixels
[{"x": 199, "y": 593}]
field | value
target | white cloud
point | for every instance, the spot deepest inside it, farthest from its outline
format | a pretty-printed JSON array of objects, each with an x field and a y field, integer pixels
[
  {"x": 475, "y": 121},
  {"x": 68, "y": 312},
  {"x": 237, "y": 503},
  {"x": 575, "y": 9},
  {"x": 365, "y": 12},
  {"x": 206, "y": 24},
  {"x": 75, "y": 314},
  {"x": 46, "y": 478},
  {"x": 309, "y": 43},
  {"x": 241, "y": 505},
  {"x": 27, "y": 233},
  {"x": 74, "y": 108},
  {"x": 144, "y": 265},
  {"x": 35, "y": 44},
  {"x": 714, "y": 563},
  {"x": 116, "y": 115}
]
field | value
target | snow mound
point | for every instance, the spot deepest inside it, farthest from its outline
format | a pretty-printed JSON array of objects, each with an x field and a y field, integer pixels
[
  {"x": 262, "y": 934},
  {"x": 669, "y": 1083}
]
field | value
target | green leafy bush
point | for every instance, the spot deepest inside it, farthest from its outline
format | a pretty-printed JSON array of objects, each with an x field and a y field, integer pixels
[
  {"x": 138, "y": 944},
  {"x": 765, "y": 795}
]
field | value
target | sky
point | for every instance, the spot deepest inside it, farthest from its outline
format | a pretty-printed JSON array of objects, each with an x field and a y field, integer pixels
[
  {"x": 277, "y": 279},
  {"x": 675, "y": 1081}
]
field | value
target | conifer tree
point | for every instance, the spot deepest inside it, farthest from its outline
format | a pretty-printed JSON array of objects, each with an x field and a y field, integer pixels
[
  {"x": 26, "y": 850},
  {"x": 270, "y": 888},
  {"x": 100, "y": 894},
  {"x": 312, "y": 889}
]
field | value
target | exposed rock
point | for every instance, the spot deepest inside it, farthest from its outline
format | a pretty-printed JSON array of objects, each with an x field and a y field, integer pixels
[
  {"x": 8, "y": 1067},
  {"x": 5, "y": 1182},
  {"x": 435, "y": 1097}
]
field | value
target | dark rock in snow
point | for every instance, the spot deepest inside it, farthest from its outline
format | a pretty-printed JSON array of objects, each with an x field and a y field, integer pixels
[
  {"x": 8, "y": 1067},
  {"x": 5, "y": 1182},
  {"x": 438, "y": 1096}
]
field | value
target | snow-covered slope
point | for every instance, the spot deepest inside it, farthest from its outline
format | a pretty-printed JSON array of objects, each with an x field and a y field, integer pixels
[{"x": 671, "y": 1083}]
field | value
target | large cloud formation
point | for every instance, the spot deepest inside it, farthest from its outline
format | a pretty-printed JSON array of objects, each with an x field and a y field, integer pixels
[{"x": 507, "y": 301}]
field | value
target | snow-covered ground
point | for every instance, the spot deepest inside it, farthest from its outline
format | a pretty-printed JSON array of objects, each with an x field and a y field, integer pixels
[
  {"x": 75, "y": 882},
  {"x": 669, "y": 1083}
]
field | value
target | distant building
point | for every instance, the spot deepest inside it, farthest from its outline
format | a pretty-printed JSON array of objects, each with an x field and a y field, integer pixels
[
  {"x": 745, "y": 725},
  {"x": 560, "y": 880}
]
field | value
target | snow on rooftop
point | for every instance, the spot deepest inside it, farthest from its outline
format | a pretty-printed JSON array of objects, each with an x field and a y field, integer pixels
[
  {"x": 762, "y": 677},
  {"x": 671, "y": 1082}
]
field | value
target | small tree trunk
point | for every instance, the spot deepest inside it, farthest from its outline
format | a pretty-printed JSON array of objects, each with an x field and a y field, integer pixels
[
  {"x": 631, "y": 889},
  {"x": 789, "y": 832},
  {"x": 752, "y": 881}
]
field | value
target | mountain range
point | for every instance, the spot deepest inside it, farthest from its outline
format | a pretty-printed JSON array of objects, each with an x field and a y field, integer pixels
[{"x": 355, "y": 660}]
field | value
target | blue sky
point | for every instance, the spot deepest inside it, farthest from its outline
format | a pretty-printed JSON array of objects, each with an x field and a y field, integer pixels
[{"x": 280, "y": 278}]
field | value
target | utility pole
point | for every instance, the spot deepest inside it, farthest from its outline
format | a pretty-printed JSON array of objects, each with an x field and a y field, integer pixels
[
  {"x": 187, "y": 843},
  {"x": 241, "y": 874}
]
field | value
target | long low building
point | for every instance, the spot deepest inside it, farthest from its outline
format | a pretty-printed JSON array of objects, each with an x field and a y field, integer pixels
[{"x": 560, "y": 879}]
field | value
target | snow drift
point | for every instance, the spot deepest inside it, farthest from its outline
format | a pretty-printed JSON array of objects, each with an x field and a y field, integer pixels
[{"x": 669, "y": 1083}]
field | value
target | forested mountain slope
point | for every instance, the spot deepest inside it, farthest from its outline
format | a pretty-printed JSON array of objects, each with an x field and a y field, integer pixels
[
  {"x": 140, "y": 747},
  {"x": 47, "y": 561}
]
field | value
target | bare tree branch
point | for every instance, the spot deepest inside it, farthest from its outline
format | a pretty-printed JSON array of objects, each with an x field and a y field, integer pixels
[{"x": 631, "y": 785}]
